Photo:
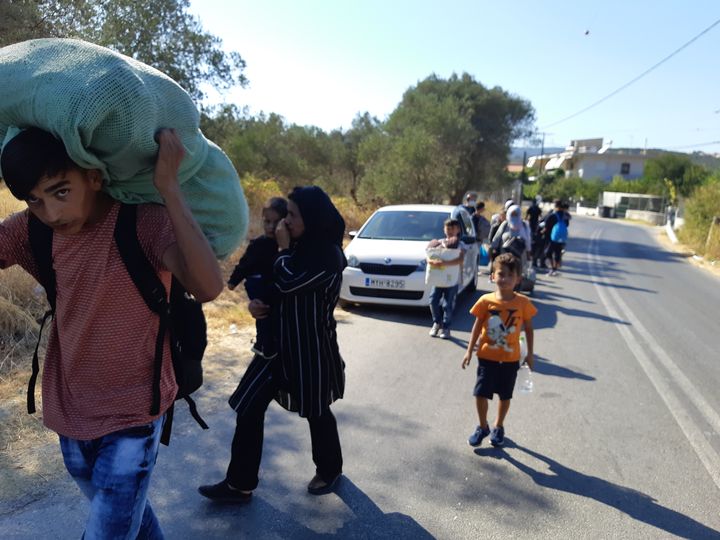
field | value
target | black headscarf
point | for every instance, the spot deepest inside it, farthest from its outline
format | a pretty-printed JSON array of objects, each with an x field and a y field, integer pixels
[{"x": 324, "y": 226}]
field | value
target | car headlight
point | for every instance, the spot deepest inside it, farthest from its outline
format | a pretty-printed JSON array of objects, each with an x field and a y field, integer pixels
[
  {"x": 353, "y": 261},
  {"x": 421, "y": 267}
]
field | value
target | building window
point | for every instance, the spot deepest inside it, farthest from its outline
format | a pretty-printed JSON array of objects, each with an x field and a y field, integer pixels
[{"x": 625, "y": 168}]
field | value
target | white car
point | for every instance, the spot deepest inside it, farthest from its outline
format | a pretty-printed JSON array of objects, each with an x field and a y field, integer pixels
[{"x": 386, "y": 258}]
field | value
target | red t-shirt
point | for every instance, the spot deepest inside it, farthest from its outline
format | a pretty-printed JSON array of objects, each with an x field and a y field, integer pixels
[{"x": 98, "y": 370}]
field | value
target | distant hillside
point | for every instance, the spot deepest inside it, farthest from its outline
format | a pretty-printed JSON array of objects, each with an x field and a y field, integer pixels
[
  {"x": 516, "y": 153},
  {"x": 699, "y": 158},
  {"x": 706, "y": 160}
]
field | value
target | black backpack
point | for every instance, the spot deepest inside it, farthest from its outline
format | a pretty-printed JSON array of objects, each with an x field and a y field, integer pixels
[{"x": 182, "y": 315}]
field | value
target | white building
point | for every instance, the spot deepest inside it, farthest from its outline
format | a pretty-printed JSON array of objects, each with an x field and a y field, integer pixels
[{"x": 590, "y": 158}]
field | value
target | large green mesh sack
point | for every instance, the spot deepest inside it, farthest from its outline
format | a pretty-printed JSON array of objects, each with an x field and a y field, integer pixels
[{"x": 106, "y": 108}]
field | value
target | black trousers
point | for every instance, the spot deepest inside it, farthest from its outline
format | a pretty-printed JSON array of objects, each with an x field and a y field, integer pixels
[{"x": 246, "y": 450}]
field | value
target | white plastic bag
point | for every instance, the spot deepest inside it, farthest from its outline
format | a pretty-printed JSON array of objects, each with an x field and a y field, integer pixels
[{"x": 442, "y": 275}]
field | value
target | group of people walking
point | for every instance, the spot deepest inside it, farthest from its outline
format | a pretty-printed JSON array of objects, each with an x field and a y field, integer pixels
[
  {"x": 543, "y": 236},
  {"x": 292, "y": 275},
  {"x": 107, "y": 346},
  {"x": 101, "y": 352},
  {"x": 503, "y": 315},
  {"x": 534, "y": 241}
]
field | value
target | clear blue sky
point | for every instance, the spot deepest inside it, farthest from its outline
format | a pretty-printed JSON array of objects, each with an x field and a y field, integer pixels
[{"x": 320, "y": 62}]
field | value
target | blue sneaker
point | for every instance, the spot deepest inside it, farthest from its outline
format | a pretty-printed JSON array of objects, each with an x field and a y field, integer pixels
[
  {"x": 476, "y": 438},
  {"x": 497, "y": 437}
]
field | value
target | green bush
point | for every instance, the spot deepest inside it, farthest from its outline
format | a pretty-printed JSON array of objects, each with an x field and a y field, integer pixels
[
  {"x": 700, "y": 209},
  {"x": 530, "y": 190}
]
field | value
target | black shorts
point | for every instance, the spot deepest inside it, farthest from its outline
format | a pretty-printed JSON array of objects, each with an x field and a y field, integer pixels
[
  {"x": 495, "y": 378},
  {"x": 555, "y": 251}
]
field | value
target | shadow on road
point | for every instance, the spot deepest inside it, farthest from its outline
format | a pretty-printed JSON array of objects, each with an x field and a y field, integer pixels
[
  {"x": 420, "y": 316},
  {"x": 545, "y": 367},
  {"x": 633, "y": 250},
  {"x": 615, "y": 285},
  {"x": 548, "y": 313},
  {"x": 369, "y": 520},
  {"x": 602, "y": 267},
  {"x": 634, "y": 503},
  {"x": 366, "y": 520}
]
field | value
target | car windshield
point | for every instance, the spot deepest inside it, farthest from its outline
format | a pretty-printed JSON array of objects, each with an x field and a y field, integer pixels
[{"x": 405, "y": 225}]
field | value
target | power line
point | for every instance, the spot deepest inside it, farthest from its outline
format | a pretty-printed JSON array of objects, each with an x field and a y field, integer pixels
[
  {"x": 709, "y": 143},
  {"x": 624, "y": 86}
]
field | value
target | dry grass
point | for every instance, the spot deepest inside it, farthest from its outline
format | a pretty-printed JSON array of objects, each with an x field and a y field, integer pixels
[
  {"x": 22, "y": 303},
  {"x": 353, "y": 214},
  {"x": 26, "y": 453}
]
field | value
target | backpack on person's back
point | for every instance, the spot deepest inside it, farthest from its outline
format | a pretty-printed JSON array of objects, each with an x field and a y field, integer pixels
[
  {"x": 508, "y": 241},
  {"x": 559, "y": 232},
  {"x": 182, "y": 315}
]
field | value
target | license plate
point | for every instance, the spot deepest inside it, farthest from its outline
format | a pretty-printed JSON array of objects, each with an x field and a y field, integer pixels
[{"x": 385, "y": 283}]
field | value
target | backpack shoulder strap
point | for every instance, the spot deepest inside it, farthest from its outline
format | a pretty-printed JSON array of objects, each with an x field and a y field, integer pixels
[
  {"x": 148, "y": 285},
  {"x": 136, "y": 263},
  {"x": 40, "y": 237}
]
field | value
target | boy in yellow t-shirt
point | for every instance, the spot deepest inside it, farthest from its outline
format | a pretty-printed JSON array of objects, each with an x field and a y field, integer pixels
[{"x": 501, "y": 316}]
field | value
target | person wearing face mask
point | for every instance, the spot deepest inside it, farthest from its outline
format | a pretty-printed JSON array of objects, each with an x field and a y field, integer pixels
[{"x": 470, "y": 203}]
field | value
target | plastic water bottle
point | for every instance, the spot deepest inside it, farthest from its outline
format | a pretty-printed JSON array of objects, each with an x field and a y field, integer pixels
[
  {"x": 525, "y": 375},
  {"x": 523, "y": 347},
  {"x": 526, "y": 379}
]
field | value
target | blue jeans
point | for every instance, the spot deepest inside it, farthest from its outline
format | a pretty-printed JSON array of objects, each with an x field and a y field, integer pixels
[
  {"x": 442, "y": 312},
  {"x": 113, "y": 472}
]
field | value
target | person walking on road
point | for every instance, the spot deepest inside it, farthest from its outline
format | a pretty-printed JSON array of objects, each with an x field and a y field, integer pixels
[
  {"x": 442, "y": 298},
  {"x": 500, "y": 318},
  {"x": 532, "y": 214},
  {"x": 482, "y": 225},
  {"x": 308, "y": 374},
  {"x": 556, "y": 234},
  {"x": 98, "y": 385},
  {"x": 470, "y": 202}
]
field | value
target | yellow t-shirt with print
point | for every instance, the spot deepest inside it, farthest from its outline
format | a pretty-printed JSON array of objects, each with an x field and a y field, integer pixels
[{"x": 502, "y": 322}]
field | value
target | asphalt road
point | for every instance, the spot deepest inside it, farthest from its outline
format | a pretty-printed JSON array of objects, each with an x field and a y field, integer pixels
[{"x": 620, "y": 438}]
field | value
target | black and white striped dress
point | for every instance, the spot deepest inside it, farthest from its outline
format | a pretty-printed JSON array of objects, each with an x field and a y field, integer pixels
[
  {"x": 309, "y": 373},
  {"x": 312, "y": 370}
]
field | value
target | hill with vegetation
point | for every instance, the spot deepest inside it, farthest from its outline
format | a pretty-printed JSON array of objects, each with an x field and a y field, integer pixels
[{"x": 709, "y": 161}]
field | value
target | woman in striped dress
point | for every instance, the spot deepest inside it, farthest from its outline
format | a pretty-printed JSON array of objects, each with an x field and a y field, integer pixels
[{"x": 309, "y": 374}]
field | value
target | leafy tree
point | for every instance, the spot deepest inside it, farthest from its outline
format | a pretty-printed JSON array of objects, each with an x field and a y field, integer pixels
[
  {"x": 700, "y": 211},
  {"x": 546, "y": 182},
  {"x": 564, "y": 188},
  {"x": 622, "y": 185},
  {"x": 222, "y": 123},
  {"x": 468, "y": 128},
  {"x": 261, "y": 149},
  {"x": 590, "y": 190},
  {"x": 160, "y": 33},
  {"x": 677, "y": 174},
  {"x": 411, "y": 167},
  {"x": 20, "y": 20},
  {"x": 362, "y": 128}
]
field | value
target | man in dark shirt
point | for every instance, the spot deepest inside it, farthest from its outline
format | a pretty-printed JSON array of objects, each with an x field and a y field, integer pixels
[{"x": 533, "y": 215}]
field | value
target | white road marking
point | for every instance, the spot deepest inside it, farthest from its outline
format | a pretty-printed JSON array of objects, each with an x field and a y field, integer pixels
[{"x": 704, "y": 450}]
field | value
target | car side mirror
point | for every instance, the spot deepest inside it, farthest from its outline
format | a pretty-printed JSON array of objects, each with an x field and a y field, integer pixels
[{"x": 352, "y": 234}]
